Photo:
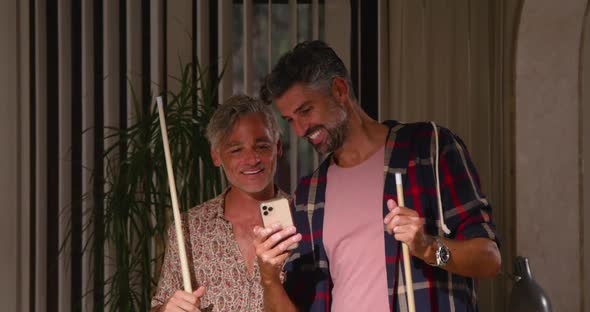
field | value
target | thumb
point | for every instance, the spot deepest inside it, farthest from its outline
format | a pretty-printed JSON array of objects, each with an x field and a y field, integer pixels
[
  {"x": 391, "y": 204},
  {"x": 199, "y": 292}
]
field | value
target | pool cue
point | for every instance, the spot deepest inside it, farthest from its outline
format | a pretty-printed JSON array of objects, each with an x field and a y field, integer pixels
[
  {"x": 177, "y": 222},
  {"x": 405, "y": 250}
]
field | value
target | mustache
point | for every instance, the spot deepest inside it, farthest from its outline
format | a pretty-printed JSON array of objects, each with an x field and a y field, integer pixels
[{"x": 312, "y": 130}]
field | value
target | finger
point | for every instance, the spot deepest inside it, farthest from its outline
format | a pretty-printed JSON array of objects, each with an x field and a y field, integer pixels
[
  {"x": 406, "y": 211},
  {"x": 183, "y": 303},
  {"x": 406, "y": 233},
  {"x": 181, "y": 295},
  {"x": 277, "y": 237},
  {"x": 256, "y": 229},
  {"x": 391, "y": 204},
  {"x": 411, "y": 229},
  {"x": 394, "y": 209},
  {"x": 274, "y": 257},
  {"x": 389, "y": 216},
  {"x": 170, "y": 307},
  {"x": 280, "y": 252},
  {"x": 261, "y": 234},
  {"x": 263, "y": 249},
  {"x": 389, "y": 227},
  {"x": 199, "y": 292},
  {"x": 400, "y": 211},
  {"x": 397, "y": 223},
  {"x": 287, "y": 243},
  {"x": 405, "y": 220},
  {"x": 278, "y": 260}
]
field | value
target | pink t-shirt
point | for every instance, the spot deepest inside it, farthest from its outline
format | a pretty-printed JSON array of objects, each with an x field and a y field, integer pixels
[{"x": 353, "y": 236}]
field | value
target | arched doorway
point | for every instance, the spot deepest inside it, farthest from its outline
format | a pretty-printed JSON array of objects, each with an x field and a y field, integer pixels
[{"x": 549, "y": 131}]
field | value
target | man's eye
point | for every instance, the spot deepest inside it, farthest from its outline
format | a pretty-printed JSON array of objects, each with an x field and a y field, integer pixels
[
  {"x": 263, "y": 147},
  {"x": 235, "y": 151}
]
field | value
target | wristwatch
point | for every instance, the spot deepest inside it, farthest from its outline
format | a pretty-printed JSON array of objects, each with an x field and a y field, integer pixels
[{"x": 443, "y": 254}]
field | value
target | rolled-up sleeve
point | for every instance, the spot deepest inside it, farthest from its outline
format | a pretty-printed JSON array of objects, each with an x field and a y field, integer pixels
[{"x": 467, "y": 212}]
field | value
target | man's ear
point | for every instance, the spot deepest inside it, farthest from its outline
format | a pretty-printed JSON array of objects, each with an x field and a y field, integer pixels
[
  {"x": 339, "y": 89},
  {"x": 279, "y": 148},
  {"x": 215, "y": 157}
]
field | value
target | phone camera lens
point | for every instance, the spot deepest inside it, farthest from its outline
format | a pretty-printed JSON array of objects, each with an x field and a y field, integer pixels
[
  {"x": 265, "y": 213},
  {"x": 269, "y": 208},
  {"x": 264, "y": 207}
]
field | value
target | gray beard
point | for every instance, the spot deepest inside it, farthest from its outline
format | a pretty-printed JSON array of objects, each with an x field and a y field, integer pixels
[{"x": 336, "y": 135}]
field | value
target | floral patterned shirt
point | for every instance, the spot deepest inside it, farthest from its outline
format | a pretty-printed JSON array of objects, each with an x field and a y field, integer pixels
[{"x": 215, "y": 261}]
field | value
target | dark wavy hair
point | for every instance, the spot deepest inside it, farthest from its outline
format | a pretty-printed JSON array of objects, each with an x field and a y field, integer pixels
[{"x": 312, "y": 63}]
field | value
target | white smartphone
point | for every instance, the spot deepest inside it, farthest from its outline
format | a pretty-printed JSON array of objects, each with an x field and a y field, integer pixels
[{"x": 277, "y": 211}]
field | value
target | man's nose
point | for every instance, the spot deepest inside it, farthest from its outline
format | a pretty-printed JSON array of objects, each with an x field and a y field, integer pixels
[{"x": 252, "y": 156}]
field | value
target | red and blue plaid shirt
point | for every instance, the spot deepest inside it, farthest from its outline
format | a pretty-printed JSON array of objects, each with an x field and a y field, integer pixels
[{"x": 410, "y": 150}]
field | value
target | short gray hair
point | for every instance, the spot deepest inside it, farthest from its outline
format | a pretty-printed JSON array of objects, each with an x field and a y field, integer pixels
[{"x": 226, "y": 115}]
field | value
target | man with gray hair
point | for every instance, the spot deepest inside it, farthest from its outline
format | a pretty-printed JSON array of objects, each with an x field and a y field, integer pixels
[{"x": 245, "y": 142}]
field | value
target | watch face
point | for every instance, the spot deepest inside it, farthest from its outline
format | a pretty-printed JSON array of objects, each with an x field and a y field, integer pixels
[{"x": 444, "y": 255}]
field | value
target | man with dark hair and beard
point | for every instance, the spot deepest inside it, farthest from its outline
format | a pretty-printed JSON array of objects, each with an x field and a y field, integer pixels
[{"x": 348, "y": 224}]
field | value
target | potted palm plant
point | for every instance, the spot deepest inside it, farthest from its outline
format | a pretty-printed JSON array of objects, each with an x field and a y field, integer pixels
[{"x": 137, "y": 198}]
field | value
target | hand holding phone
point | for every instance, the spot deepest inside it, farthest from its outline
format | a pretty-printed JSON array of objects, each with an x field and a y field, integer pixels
[{"x": 277, "y": 211}]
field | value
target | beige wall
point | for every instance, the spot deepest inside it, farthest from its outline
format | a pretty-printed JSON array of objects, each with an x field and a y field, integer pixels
[
  {"x": 549, "y": 226},
  {"x": 585, "y": 116},
  {"x": 9, "y": 157}
]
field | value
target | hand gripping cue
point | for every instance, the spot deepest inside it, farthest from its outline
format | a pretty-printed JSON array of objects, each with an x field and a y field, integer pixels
[
  {"x": 405, "y": 250},
  {"x": 177, "y": 222}
]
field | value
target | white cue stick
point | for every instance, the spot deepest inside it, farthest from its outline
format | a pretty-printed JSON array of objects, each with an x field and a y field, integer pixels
[
  {"x": 178, "y": 225},
  {"x": 405, "y": 250}
]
